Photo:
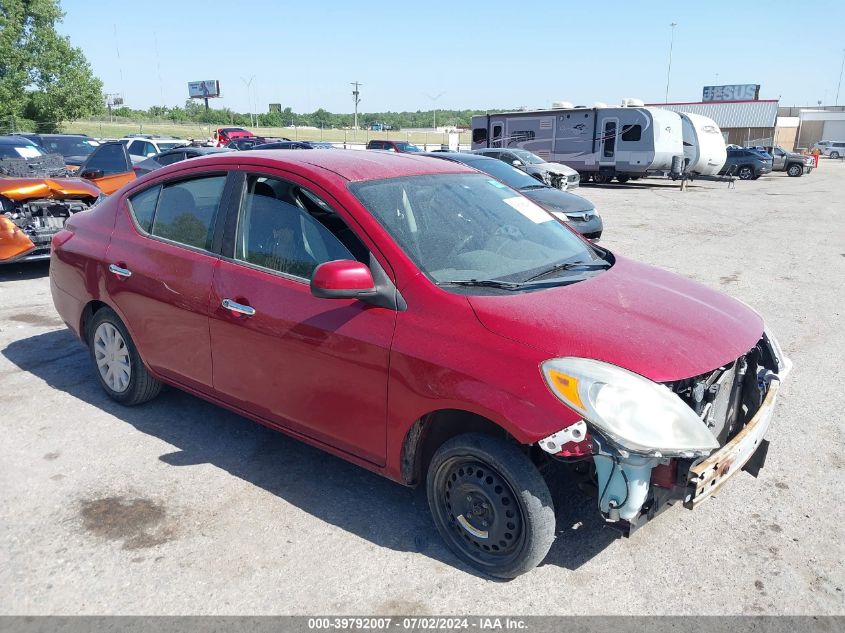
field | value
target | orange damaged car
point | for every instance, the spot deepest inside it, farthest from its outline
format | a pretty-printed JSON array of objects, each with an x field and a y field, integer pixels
[{"x": 37, "y": 196}]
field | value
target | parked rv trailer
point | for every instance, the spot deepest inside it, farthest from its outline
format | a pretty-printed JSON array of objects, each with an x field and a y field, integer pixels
[
  {"x": 600, "y": 142},
  {"x": 704, "y": 145}
]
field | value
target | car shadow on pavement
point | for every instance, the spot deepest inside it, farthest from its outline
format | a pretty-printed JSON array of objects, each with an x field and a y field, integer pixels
[
  {"x": 329, "y": 488},
  {"x": 24, "y": 271}
]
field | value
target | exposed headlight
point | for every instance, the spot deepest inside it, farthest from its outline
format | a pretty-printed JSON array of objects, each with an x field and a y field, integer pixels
[{"x": 635, "y": 413}]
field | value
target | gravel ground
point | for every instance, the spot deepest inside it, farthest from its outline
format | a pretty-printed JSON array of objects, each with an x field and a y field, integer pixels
[{"x": 179, "y": 507}]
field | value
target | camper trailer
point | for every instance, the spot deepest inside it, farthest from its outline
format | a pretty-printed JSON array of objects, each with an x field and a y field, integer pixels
[
  {"x": 704, "y": 145},
  {"x": 599, "y": 142}
]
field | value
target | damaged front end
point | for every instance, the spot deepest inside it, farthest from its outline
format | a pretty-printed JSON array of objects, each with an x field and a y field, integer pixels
[
  {"x": 652, "y": 445},
  {"x": 36, "y": 199}
]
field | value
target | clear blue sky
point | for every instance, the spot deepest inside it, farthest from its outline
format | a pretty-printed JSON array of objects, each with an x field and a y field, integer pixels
[{"x": 478, "y": 54}]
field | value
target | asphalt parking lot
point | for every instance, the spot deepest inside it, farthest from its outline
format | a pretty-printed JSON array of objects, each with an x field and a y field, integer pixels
[{"x": 179, "y": 507}]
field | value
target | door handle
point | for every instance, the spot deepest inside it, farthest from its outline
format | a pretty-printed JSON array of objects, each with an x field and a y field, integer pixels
[
  {"x": 240, "y": 308},
  {"x": 119, "y": 271}
]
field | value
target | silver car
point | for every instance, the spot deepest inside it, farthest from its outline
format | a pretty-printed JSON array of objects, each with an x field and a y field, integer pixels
[
  {"x": 553, "y": 174},
  {"x": 834, "y": 149}
]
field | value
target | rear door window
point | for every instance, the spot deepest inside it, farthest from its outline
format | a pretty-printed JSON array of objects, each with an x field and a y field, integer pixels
[{"x": 187, "y": 211}]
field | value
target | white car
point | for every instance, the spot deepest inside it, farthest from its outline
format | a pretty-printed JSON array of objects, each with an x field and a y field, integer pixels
[
  {"x": 553, "y": 174},
  {"x": 143, "y": 146},
  {"x": 834, "y": 149}
]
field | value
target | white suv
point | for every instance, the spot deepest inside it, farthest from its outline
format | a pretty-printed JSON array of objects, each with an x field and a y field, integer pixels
[
  {"x": 143, "y": 146},
  {"x": 834, "y": 149}
]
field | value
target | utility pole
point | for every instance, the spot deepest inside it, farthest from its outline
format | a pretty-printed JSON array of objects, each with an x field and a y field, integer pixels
[
  {"x": 434, "y": 99},
  {"x": 669, "y": 70},
  {"x": 356, "y": 99},
  {"x": 839, "y": 85}
]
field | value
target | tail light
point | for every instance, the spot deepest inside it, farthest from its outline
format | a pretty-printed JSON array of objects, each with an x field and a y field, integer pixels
[{"x": 60, "y": 238}]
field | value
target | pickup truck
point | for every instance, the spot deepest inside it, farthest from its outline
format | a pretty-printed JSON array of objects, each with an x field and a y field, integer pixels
[{"x": 790, "y": 162}]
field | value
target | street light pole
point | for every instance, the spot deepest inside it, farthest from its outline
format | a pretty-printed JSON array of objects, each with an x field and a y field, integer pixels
[
  {"x": 669, "y": 69},
  {"x": 248, "y": 85},
  {"x": 434, "y": 99}
]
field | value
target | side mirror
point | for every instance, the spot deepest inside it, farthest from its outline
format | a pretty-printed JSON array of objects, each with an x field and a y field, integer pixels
[
  {"x": 517, "y": 163},
  {"x": 342, "y": 279},
  {"x": 92, "y": 174}
]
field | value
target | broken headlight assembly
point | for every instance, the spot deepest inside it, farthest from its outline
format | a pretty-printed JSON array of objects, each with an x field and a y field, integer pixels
[{"x": 634, "y": 413}]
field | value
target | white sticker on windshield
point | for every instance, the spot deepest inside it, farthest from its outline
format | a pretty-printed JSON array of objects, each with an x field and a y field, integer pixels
[
  {"x": 29, "y": 151},
  {"x": 497, "y": 184},
  {"x": 530, "y": 210}
]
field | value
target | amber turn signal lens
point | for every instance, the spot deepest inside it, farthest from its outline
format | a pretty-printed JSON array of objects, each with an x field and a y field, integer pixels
[{"x": 567, "y": 387}]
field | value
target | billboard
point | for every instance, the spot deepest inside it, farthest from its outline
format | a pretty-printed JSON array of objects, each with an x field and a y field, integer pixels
[
  {"x": 734, "y": 92},
  {"x": 204, "y": 89},
  {"x": 276, "y": 107}
]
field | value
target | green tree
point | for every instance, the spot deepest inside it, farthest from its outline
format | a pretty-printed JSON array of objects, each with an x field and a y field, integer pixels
[{"x": 42, "y": 76}]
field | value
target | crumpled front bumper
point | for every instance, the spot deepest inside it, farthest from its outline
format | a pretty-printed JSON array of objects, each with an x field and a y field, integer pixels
[{"x": 746, "y": 451}]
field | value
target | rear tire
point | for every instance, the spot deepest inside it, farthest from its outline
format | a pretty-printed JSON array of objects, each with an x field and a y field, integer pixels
[
  {"x": 834, "y": 154},
  {"x": 490, "y": 504},
  {"x": 601, "y": 178},
  {"x": 746, "y": 172},
  {"x": 119, "y": 368},
  {"x": 622, "y": 178},
  {"x": 795, "y": 170}
]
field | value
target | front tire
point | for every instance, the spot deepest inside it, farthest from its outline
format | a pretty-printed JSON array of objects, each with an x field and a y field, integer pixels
[
  {"x": 119, "y": 368},
  {"x": 490, "y": 504},
  {"x": 794, "y": 170},
  {"x": 745, "y": 172},
  {"x": 834, "y": 154}
]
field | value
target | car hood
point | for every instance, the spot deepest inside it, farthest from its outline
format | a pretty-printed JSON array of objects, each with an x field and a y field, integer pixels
[
  {"x": 20, "y": 189},
  {"x": 649, "y": 321},
  {"x": 553, "y": 199},
  {"x": 556, "y": 168}
]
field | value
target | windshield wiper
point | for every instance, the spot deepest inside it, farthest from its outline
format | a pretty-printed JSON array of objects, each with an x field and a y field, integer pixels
[
  {"x": 569, "y": 266},
  {"x": 487, "y": 283},
  {"x": 537, "y": 186}
]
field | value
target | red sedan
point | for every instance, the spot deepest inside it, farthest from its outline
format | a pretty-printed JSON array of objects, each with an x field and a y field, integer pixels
[{"x": 428, "y": 323}]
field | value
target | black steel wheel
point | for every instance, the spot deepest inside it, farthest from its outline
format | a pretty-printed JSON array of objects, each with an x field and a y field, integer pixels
[
  {"x": 490, "y": 504},
  {"x": 746, "y": 172}
]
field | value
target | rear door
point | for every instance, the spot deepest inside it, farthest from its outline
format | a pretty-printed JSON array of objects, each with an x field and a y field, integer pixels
[
  {"x": 315, "y": 366},
  {"x": 160, "y": 265},
  {"x": 108, "y": 167}
]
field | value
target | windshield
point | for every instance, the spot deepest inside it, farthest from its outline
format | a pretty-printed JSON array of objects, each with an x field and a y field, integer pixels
[
  {"x": 511, "y": 176},
  {"x": 20, "y": 151},
  {"x": 527, "y": 157},
  {"x": 469, "y": 227},
  {"x": 70, "y": 146},
  {"x": 407, "y": 147}
]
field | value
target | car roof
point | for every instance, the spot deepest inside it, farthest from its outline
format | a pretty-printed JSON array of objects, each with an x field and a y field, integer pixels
[
  {"x": 15, "y": 140},
  {"x": 462, "y": 157},
  {"x": 353, "y": 165}
]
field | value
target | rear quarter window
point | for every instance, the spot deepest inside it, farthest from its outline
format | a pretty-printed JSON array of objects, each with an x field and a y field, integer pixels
[{"x": 143, "y": 205}]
